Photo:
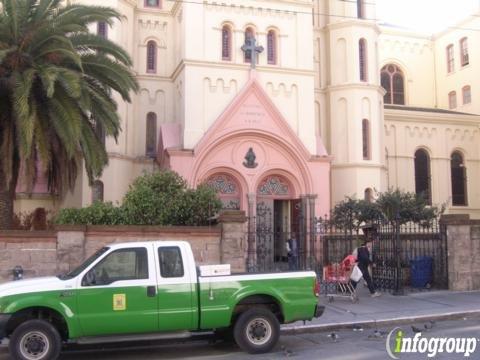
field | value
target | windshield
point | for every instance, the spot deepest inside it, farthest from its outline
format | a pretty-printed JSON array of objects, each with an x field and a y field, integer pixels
[{"x": 84, "y": 265}]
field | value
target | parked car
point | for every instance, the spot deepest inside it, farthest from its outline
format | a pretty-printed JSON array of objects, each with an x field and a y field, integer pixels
[{"x": 151, "y": 290}]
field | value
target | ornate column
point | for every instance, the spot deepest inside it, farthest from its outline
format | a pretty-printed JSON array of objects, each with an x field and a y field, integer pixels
[
  {"x": 313, "y": 237},
  {"x": 251, "y": 251}
]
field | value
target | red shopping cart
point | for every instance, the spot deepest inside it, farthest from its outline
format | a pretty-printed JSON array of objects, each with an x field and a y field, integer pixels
[{"x": 337, "y": 280}]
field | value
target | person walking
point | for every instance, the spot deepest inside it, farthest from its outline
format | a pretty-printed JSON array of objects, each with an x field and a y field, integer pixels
[
  {"x": 364, "y": 260},
  {"x": 292, "y": 253}
]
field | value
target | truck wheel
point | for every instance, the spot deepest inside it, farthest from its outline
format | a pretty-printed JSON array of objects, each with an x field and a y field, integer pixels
[
  {"x": 256, "y": 331},
  {"x": 35, "y": 340}
]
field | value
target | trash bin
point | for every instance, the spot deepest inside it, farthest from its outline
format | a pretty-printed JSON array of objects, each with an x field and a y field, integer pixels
[{"x": 421, "y": 271}]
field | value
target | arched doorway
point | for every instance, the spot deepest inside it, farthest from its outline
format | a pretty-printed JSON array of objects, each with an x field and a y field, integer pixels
[{"x": 277, "y": 221}]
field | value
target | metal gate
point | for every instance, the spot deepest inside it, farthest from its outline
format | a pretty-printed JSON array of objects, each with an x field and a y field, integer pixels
[
  {"x": 398, "y": 249},
  {"x": 410, "y": 255},
  {"x": 267, "y": 241}
]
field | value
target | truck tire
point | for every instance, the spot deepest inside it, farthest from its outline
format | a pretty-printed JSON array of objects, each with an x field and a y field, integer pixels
[
  {"x": 256, "y": 331},
  {"x": 35, "y": 340}
]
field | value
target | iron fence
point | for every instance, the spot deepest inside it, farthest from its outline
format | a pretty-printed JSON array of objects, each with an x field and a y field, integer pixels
[{"x": 398, "y": 250}]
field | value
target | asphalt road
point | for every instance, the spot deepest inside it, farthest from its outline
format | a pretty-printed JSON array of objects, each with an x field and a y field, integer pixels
[{"x": 344, "y": 345}]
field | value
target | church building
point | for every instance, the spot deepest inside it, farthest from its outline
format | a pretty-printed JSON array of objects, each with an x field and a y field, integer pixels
[{"x": 290, "y": 105}]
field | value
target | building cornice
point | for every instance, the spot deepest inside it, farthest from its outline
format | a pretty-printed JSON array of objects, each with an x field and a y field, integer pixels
[
  {"x": 35, "y": 196},
  {"x": 358, "y": 166},
  {"x": 154, "y": 77},
  {"x": 155, "y": 11},
  {"x": 232, "y": 66},
  {"x": 431, "y": 117},
  {"x": 439, "y": 158},
  {"x": 386, "y": 30},
  {"x": 351, "y": 23},
  {"x": 136, "y": 159},
  {"x": 357, "y": 86},
  {"x": 297, "y": 3}
]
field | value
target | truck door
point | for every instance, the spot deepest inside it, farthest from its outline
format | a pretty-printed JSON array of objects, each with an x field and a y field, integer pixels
[
  {"x": 118, "y": 295},
  {"x": 177, "y": 296}
]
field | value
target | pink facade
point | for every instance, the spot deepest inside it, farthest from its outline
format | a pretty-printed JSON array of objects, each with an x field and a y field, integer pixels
[
  {"x": 41, "y": 183},
  {"x": 250, "y": 152}
]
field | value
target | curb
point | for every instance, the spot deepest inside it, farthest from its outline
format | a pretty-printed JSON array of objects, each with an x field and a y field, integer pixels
[{"x": 369, "y": 324}]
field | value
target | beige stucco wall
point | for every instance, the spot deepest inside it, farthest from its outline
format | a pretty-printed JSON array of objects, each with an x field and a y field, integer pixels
[
  {"x": 414, "y": 54},
  {"x": 440, "y": 135},
  {"x": 462, "y": 75}
]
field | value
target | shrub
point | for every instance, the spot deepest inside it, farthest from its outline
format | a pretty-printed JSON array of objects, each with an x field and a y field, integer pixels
[
  {"x": 159, "y": 198},
  {"x": 98, "y": 213},
  {"x": 392, "y": 206},
  {"x": 153, "y": 198}
]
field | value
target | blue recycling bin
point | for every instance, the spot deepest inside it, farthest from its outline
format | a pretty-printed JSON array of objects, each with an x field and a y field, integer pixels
[{"x": 421, "y": 271}]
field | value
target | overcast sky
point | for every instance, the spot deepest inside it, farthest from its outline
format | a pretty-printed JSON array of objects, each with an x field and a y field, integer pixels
[{"x": 425, "y": 15}]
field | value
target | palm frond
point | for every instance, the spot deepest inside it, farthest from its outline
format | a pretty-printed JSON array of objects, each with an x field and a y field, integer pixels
[
  {"x": 87, "y": 42},
  {"x": 58, "y": 82}
]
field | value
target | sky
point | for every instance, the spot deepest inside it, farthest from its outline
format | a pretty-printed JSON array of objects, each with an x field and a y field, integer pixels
[{"x": 425, "y": 15}]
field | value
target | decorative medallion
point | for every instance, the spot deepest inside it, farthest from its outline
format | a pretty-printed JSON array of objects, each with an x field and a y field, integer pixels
[{"x": 250, "y": 159}]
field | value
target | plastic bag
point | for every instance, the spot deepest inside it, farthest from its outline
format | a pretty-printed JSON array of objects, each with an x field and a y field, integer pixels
[{"x": 356, "y": 274}]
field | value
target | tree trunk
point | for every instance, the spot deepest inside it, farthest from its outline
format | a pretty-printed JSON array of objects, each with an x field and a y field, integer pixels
[
  {"x": 7, "y": 197},
  {"x": 6, "y": 205}
]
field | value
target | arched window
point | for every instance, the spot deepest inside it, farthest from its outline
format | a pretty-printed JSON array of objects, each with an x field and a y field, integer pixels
[
  {"x": 151, "y": 135},
  {"x": 368, "y": 195},
  {"x": 459, "y": 179},
  {"x": 366, "y": 139},
  {"x": 102, "y": 29},
  {"x": 392, "y": 81},
  {"x": 226, "y": 43},
  {"x": 466, "y": 95},
  {"x": 152, "y": 3},
  {"x": 360, "y": 9},
  {"x": 452, "y": 100},
  {"x": 464, "y": 51},
  {"x": 249, "y": 34},
  {"x": 151, "y": 57},
  {"x": 450, "y": 59},
  {"x": 422, "y": 175},
  {"x": 272, "y": 47},
  {"x": 97, "y": 191},
  {"x": 227, "y": 189},
  {"x": 362, "y": 49}
]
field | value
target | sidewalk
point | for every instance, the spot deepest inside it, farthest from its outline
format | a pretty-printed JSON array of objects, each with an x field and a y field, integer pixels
[{"x": 389, "y": 310}]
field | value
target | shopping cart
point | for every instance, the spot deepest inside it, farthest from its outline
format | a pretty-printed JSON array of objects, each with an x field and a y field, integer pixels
[{"x": 337, "y": 280}]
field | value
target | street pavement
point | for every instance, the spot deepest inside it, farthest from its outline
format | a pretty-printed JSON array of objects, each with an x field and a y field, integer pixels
[
  {"x": 346, "y": 344},
  {"x": 391, "y": 309},
  {"x": 346, "y": 331}
]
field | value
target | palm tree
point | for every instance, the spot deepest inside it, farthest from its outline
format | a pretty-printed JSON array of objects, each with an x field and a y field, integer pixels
[{"x": 57, "y": 83}]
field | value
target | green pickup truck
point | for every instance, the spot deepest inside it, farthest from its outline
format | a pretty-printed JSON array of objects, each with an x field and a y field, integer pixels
[{"x": 146, "y": 291}]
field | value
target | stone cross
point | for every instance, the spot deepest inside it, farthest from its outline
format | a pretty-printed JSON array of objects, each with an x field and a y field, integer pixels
[{"x": 250, "y": 46}]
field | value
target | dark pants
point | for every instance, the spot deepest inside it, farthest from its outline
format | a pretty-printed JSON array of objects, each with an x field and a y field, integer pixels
[
  {"x": 292, "y": 262},
  {"x": 367, "y": 278}
]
